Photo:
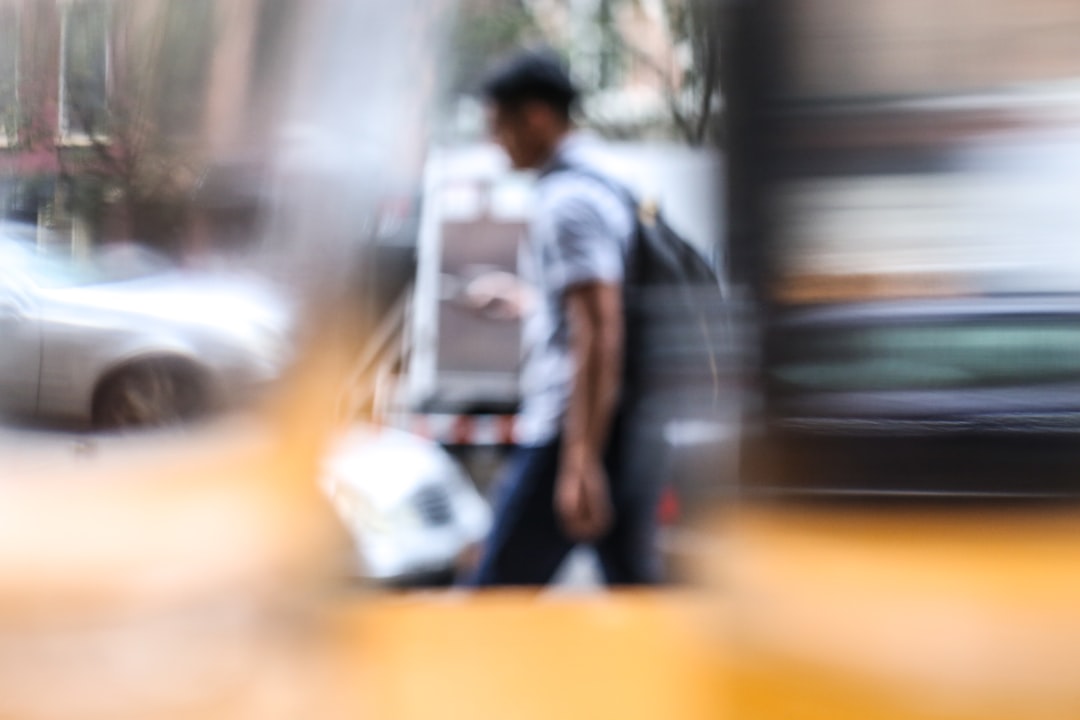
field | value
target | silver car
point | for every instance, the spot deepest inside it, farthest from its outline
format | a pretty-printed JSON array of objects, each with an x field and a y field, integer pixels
[{"x": 111, "y": 345}]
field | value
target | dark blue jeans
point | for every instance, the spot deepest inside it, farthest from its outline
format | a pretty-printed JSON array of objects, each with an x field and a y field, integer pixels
[{"x": 527, "y": 544}]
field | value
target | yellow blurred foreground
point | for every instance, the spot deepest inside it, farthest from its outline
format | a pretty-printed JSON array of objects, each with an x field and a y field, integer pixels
[
  {"x": 903, "y": 614},
  {"x": 515, "y": 655},
  {"x": 812, "y": 614},
  {"x": 203, "y": 577}
]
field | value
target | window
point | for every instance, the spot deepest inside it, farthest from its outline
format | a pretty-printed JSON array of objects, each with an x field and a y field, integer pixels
[
  {"x": 184, "y": 65},
  {"x": 84, "y": 69},
  {"x": 9, "y": 73},
  {"x": 277, "y": 20},
  {"x": 951, "y": 352}
]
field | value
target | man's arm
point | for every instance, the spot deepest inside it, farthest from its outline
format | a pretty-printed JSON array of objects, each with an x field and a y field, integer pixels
[{"x": 595, "y": 315}]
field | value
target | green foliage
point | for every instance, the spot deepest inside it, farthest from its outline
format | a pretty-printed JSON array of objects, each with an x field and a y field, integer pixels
[
  {"x": 142, "y": 151},
  {"x": 486, "y": 29},
  {"x": 693, "y": 96}
]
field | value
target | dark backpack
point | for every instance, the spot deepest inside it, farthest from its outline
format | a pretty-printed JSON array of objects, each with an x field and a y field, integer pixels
[{"x": 673, "y": 307}]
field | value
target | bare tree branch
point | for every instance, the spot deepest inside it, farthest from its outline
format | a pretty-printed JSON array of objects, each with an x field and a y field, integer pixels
[{"x": 689, "y": 94}]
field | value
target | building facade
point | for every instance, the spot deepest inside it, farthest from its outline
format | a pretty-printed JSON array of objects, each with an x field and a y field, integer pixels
[{"x": 114, "y": 113}]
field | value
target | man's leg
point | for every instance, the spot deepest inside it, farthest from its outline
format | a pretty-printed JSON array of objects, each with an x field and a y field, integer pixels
[
  {"x": 637, "y": 465},
  {"x": 630, "y": 553},
  {"x": 526, "y": 545}
]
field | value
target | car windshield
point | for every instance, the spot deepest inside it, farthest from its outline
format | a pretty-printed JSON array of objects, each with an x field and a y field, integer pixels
[{"x": 988, "y": 353}]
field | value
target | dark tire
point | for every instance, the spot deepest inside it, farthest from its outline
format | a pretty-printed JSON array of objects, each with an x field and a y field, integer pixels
[{"x": 152, "y": 393}]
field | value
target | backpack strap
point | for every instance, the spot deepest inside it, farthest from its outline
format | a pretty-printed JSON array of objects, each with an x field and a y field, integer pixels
[
  {"x": 565, "y": 166},
  {"x": 561, "y": 165},
  {"x": 645, "y": 217}
]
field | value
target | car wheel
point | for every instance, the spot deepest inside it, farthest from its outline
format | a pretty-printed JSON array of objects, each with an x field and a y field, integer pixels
[{"x": 149, "y": 394}]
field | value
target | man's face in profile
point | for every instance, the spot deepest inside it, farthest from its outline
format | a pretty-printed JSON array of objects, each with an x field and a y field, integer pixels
[{"x": 514, "y": 130}]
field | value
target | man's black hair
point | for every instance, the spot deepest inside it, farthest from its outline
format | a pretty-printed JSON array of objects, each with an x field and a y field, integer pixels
[{"x": 531, "y": 76}]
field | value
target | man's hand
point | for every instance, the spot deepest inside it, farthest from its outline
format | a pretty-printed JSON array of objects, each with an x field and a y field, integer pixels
[
  {"x": 582, "y": 501},
  {"x": 498, "y": 295}
]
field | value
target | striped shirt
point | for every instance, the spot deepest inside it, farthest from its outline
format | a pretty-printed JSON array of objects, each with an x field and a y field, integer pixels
[{"x": 580, "y": 233}]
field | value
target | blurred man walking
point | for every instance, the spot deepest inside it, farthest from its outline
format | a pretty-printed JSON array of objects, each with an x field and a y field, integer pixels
[{"x": 581, "y": 475}]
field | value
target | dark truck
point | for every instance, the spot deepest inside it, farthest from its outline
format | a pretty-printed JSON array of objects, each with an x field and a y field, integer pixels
[{"x": 903, "y": 214}]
